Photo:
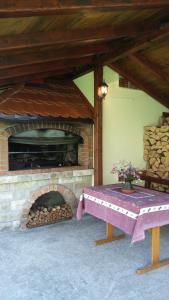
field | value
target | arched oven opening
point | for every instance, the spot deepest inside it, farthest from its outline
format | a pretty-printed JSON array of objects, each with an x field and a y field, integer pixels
[
  {"x": 43, "y": 148},
  {"x": 47, "y": 209}
]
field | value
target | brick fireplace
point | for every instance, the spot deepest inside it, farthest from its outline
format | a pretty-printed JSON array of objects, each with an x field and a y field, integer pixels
[
  {"x": 46, "y": 149},
  {"x": 19, "y": 189}
]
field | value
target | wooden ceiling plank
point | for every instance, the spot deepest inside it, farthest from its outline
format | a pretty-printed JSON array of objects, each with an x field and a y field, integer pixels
[
  {"x": 140, "y": 83},
  {"x": 152, "y": 67},
  {"x": 44, "y": 39},
  {"x": 13, "y": 8}
]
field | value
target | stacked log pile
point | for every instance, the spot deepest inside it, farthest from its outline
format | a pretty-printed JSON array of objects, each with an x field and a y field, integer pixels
[
  {"x": 156, "y": 153},
  {"x": 48, "y": 215}
]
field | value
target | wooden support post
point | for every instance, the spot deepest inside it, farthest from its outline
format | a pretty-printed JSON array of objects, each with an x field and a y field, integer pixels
[
  {"x": 98, "y": 165},
  {"x": 109, "y": 231},
  {"x": 110, "y": 237},
  {"x": 155, "y": 253},
  {"x": 155, "y": 240}
]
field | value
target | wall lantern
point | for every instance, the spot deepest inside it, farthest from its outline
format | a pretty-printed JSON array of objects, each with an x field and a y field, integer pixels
[{"x": 102, "y": 90}]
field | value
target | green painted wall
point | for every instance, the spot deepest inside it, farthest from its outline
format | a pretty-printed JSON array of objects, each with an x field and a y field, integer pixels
[{"x": 125, "y": 113}]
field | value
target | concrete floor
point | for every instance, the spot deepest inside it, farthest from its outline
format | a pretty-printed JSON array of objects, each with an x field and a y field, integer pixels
[{"x": 60, "y": 261}]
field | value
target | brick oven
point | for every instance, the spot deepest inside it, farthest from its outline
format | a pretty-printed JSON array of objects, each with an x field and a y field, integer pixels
[{"x": 46, "y": 154}]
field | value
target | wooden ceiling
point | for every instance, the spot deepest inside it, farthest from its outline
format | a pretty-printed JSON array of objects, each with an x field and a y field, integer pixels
[{"x": 54, "y": 40}]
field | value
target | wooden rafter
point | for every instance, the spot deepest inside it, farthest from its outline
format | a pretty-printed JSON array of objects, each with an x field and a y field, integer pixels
[
  {"x": 40, "y": 68},
  {"x": 13, "y": 8},
  {"x": 152, "y": 67},
  {"x": 82, "y": 36},
  {"x": 140, "y": 83},
  {"x": 40, "y": 58},
  {"x": 136, "y": 45},
  {"x": 52, "y": 38},
  {"x": 38, "y": 75},
  {"x": 52, "y": 55},
  {"x": 82, "y": 71},
  {"x": 127, "y": 49}
]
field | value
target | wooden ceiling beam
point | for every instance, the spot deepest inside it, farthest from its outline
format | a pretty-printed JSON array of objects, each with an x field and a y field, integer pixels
[
  {"x": 141, "y": 84},
  {"x": 26, "y": 59},
  {"x": 53, "y": 38},
  {"x": 124, "y": 50},
  {"x": 20, "y": 72},
  {"x": 21, "y": 8},
  {"x": 152, "y": 67},
  {"x": 76, "y": 72},
  {"x": 39, "y": 75},
  {"x": 118, "y": 52},
  {"x": 82, "y": 71},
  {"x": 40, "y": 57}
]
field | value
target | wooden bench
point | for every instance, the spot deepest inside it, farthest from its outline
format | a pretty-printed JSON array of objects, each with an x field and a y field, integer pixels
[{"x": 149, "y": 179}]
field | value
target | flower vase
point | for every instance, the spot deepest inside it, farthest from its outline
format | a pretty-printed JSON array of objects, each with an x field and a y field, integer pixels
[{"x": 128, "y": 187}]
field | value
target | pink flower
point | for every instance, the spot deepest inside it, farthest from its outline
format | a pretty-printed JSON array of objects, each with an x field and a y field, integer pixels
[{"x": 125, "y": 171}]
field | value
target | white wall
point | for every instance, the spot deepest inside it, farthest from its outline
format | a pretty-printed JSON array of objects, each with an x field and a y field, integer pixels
[{"x": 125, "y": 113}]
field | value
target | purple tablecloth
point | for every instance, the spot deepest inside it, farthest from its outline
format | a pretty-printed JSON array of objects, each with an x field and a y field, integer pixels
[{"x": 132, "y": 213}]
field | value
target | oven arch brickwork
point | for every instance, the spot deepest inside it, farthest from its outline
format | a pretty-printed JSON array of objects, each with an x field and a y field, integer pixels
[
  {"x": 67, "y": 194},
  {"x": 85, "y": 151}
]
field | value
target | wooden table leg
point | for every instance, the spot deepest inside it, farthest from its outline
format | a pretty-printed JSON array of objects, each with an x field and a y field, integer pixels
[
  {"x": 155, "y": 253},
  {"x": 110, "y": 235}
]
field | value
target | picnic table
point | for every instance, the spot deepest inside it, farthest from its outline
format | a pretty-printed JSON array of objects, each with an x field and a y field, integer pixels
[{"x": 134, "y": 213}]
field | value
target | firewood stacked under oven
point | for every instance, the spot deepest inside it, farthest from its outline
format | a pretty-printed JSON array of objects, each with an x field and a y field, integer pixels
[{"x": 48, "y": 215}]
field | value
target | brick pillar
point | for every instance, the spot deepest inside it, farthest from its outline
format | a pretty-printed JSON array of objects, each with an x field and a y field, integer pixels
[
  {"x": 83, "y": 150},
  {"x": 4, "y": 166}
]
